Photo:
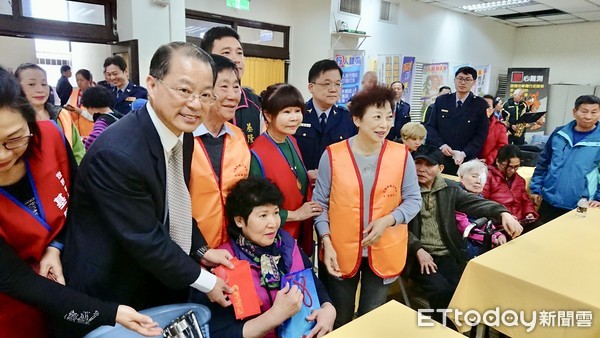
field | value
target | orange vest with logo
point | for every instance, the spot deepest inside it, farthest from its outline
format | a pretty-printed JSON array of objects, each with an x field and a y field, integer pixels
[
  {"x": 66, "y": 124},
  {"x": 208, "y": 193},
  {"x": 387, "y": 256},
  {"x": 84, "y": 125}
]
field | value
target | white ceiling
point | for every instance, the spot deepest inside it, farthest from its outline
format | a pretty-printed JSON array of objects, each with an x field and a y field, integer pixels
[{"x": 531, "y": 14}]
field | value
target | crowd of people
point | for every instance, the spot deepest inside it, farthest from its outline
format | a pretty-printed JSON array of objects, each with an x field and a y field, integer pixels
[{"x": 125, "y": 197}]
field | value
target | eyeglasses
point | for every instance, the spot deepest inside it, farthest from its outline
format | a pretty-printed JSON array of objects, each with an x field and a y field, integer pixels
[
  {"x": 336, "y": 85},
  {"x": 464, "y": 79},
  {"x": 186, "y": 94},
  {"x": 17, "y": 142},
  {"x": 512, "y": 167}
]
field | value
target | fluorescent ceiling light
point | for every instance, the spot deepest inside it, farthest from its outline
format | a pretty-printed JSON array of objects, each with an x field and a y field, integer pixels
[{"x": 495, "y": 5}]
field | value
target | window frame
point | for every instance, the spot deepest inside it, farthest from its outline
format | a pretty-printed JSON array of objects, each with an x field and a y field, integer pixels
[{"x": 20, "y": 26}]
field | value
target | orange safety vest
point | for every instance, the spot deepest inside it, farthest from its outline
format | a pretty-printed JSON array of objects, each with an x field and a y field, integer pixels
[
  {"x": 66, "y": 124},
  {"x": 208, "y": 193},
  {"x": 84, "y": 125},
  {"x": 387, "y": 256}
]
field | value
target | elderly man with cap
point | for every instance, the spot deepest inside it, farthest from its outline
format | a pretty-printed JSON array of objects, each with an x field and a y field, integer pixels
[{"x": 436, "y": 250}]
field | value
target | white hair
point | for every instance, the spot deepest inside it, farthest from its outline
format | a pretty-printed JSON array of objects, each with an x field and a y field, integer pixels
[{"x": 473, "y": 166}]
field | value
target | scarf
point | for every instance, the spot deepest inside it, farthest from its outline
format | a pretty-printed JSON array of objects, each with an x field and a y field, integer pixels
[{"x": 268, "y": 258}]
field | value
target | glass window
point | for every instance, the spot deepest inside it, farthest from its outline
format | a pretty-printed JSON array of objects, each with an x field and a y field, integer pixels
[
  {"x": 196, "y": 28},
  {"x": 51, "y": 55},
  {"x": 6, "y": 7},
  {"x": 63, "y": 10},
  {"x": 262, "y": 37}
]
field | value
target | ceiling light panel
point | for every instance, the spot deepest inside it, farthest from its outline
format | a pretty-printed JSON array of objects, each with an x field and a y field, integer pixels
[{"x": 495, "y": 5}]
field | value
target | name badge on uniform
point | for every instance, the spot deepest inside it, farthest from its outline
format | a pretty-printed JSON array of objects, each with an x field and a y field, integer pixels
[
  {"x": 444, "y": 110},
  {"x": 307, "y": 125},
  {"x": 130, "y": 98}
]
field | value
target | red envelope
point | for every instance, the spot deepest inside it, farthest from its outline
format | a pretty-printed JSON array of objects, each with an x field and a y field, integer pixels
[{"x": 244, "y": 297}]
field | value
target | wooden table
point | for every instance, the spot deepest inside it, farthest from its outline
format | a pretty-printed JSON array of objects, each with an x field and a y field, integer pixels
[
  {"x": 552, "y": 268},
  {"x": 391, "y": 320}
]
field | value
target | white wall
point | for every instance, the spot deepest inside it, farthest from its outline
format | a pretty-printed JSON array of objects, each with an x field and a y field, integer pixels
[
  {"x": 570, "y": 51},
  {"x": 434, "y": 34},
  {"x": 88, "y": 56},
  {"x": 152, "y": 25},
  {"x": 21, "y": 50},
  {"x": 309, "y": 32}
]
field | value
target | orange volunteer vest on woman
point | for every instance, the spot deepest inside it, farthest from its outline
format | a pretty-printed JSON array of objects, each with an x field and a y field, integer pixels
[
  {"x": 28, "y": 234},
  {"x": 84, "y": 125},
  {"x": 388, "y": 255},
  {"x": 208, "y": 193}
]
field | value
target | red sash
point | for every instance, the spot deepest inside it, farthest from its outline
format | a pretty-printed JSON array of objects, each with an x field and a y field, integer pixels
[
  {"x": 29, "y": 234},
  {"x": 277, "y": 169}
]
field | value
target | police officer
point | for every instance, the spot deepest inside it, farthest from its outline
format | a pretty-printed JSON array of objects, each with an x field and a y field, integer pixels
[
  {"x": 115, "y": 71},
  {"x": 324, "y": 123}
]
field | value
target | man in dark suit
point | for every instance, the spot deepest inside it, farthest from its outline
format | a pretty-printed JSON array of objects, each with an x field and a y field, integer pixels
[
  {"x": 118, "y": 246},
  {"x": 324, "y": 123},
  {"x": 458, "y": 124},
  {"x": 401, "y": 111},
  {"x": 63, "y": 86},
  {"x": 125, "y": 91}
]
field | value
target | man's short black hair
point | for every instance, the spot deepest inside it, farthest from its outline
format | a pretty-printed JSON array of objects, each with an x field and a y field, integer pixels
[
  {"x": 117, "y": 61},
  {"x": 65, "y": 68},
  {"x": 321, "y": 67},
  {"x": 586, "y": 99},
  {"x": 161, "y": 60},
  {"x": 467, "y": 71},
  {"x": 217, "y": 33},
  {"x": 444, "y": 87},
  {"x": 222, "y": 63},
  {"x": 400, "y": 82},
  {"x": 97, "y": 97}
]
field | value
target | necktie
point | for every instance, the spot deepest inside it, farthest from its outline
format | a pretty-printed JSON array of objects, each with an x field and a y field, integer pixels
[
  {"x": 323, "y": 121},
  {"x": 459, "y": 104},
  {"x": 119, "y": 93},
  {"x": 178, "y": 197},
  {"x": 397, "y": 110}
]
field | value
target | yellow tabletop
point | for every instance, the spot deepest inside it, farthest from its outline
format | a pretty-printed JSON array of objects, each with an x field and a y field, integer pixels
[
  {"x": 392, "y": 320},
  {"x": 554, "y": 268}
]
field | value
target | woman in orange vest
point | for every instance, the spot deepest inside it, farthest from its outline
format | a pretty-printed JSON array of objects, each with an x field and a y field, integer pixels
[
  {"x": 369, "y": 191},
  {"x": 81, "y": 118},
  {"x": 275, "y": 155},
  {"x": 221, "y": 156},
  {"x": 34, "y": 84},
  {"x": 36, "y": 173}
]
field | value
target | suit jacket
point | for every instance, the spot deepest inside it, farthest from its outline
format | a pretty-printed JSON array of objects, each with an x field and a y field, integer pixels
[
  {"x": 465, "y": 129},
  {"x": 131, "y": 93},
  {"x": 118, "y": 246},
  {"x": 312, "y": 141},
  {"x": 64, "y": 89},
  {"x": 450, "y": 199},
  {"x": 401, "y": 117}
]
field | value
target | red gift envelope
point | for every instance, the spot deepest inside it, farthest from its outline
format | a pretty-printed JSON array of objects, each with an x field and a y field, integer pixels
[{"x": 244, "y": 297}]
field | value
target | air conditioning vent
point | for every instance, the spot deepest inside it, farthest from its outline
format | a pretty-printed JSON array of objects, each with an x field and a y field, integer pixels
[{"x": 350, "y": 6}]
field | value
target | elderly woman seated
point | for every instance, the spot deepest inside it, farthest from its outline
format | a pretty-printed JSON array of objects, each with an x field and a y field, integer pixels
[
  {"x": 473, "y": 175},
  {"x": 508, "y": 188},
  {"x": 252, "y": 209}
]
